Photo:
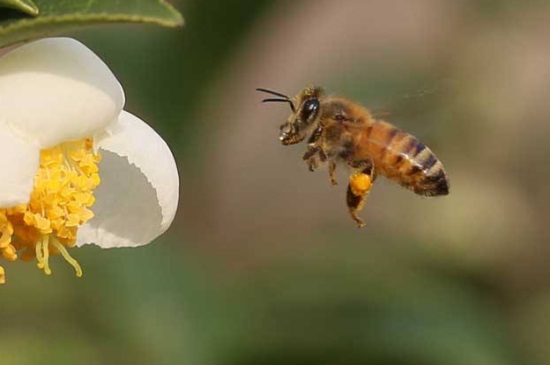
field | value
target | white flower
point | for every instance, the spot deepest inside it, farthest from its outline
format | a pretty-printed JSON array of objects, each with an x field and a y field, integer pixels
[{"x": 61, "y": 119}]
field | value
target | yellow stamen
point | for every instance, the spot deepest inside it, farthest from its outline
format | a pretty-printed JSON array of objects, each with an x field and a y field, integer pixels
[
  {"x": 59, "y": 204},
  {"x": 67, "y": 257},
  {"x": 39, "y": 254},
  {"x": 46, "y": 251}
]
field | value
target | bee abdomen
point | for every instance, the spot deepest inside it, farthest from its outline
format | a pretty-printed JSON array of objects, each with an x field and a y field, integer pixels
[
  {"x": 426, "y": 174},
  {"x": 402, "y": 158}
]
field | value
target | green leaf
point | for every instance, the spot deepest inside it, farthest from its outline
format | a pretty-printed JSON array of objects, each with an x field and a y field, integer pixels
[
  {"x": 59, "y": 16},
  {"x": 25, "y": 6}
]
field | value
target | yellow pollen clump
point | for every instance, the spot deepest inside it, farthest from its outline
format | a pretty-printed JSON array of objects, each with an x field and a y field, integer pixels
[
  {"x": 59, "y": 204},
  {"x": 360, "y": 183}
]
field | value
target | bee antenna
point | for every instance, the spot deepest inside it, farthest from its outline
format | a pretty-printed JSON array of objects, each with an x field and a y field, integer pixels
[
  {"x": 285, "y": 99},
  {"x": 273, "y": 93},
  {"x": 270, "y": 100}
]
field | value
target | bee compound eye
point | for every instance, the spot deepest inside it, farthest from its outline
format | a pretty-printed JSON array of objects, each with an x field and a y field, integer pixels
[{"x": 310, "y": 108}]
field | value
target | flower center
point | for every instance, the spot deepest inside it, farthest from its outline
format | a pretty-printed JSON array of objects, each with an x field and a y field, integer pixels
[{"x": 59, "y": 204}]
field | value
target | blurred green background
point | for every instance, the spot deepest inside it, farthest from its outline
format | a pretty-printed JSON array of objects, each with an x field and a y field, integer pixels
[{"x": 262, "y": 264}]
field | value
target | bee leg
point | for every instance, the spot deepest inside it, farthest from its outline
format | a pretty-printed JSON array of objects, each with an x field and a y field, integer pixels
[
  {"x": 312, "y": 164},
  {"x": 310, "y": 157},
  {"x": 331, "y": 168},
  {"x": 312, "y": 153},
  {"x": 359, "y": 187},
  {"x": 313, "y": 149}
]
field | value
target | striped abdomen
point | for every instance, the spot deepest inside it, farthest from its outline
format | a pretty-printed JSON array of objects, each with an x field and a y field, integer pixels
[{"x": 402, "y": 158}]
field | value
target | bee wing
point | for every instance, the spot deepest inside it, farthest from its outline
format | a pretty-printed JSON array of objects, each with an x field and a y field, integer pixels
[{"x": 380, "y": 113}]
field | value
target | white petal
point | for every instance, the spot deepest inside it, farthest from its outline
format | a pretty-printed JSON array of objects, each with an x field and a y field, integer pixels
[
  {"x": 19, "y": 164},
  {"x": 56, "y": 89},
  {"x": 138, "y": 195}
]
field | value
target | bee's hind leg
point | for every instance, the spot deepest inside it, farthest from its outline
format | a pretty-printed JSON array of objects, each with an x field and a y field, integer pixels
[{"x": 359, "y": 187}]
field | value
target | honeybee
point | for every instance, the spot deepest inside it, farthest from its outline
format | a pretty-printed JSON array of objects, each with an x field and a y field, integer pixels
[{"x": 341, "y": 131}]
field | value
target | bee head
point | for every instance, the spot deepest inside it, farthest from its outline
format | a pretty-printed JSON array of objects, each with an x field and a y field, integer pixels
[{"x": 305, "y": 111}]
